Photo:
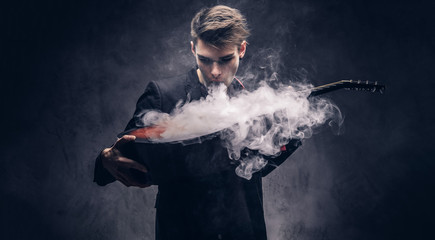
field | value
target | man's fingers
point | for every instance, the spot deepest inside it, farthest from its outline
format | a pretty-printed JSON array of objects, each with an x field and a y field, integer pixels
[
  {"x": 125, "y": 178},
  {"x": 139, "y": 167},
  {"x": 143, "y": 185},
  {"x": 120, "y": 177},
  {"x": 123, "y": 140},
  {"x": 128, "y": 163}
]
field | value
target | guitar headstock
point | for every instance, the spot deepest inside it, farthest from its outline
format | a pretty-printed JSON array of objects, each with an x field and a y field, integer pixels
[{"x": 357, "y": 85}]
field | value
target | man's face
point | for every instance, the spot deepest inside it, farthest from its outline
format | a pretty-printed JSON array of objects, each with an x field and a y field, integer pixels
[{"x": 218, "y": 65}]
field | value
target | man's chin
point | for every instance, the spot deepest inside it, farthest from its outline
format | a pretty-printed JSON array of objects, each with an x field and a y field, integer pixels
[{"x": 213, "y": 83}]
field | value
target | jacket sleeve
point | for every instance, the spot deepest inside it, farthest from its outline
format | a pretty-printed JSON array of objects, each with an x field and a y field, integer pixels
[
  {"x": 101, "y": 176},
  {"x": 149, "y": 100},
  {"x": 286, "y": 151}
]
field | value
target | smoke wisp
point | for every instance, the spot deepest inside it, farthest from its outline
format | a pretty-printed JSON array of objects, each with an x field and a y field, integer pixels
[{"x": 263, "y": 120}]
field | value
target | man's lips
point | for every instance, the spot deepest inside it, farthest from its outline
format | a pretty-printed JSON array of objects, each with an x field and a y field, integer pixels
[{"x": 216, "y": 80}]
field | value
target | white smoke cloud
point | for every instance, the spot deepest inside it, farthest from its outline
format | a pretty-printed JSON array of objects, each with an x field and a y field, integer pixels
[{"x": 262, "y": 120}]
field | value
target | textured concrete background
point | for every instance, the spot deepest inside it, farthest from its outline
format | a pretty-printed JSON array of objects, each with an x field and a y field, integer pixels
[{"x": 73, "y": 70}]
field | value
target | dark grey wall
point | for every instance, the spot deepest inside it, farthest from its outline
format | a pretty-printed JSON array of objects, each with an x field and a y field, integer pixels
[{"x": 72, "y": 71}]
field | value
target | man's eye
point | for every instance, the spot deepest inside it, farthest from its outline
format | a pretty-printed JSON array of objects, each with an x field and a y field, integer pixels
[
  {"x": 226, "y": 60},
  {"x": 205, "y": 60}
]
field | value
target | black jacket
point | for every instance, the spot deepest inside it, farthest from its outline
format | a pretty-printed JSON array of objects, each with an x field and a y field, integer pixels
[{"x": 203, "y": 198}]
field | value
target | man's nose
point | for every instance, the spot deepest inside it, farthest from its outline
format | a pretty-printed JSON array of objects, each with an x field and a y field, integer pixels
[{"x": 215, "y": 70}]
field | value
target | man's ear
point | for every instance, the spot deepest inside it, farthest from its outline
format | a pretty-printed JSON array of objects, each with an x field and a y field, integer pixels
[
  {"x": 192, "y": 47},
  {"x": 242, "y": 49}
]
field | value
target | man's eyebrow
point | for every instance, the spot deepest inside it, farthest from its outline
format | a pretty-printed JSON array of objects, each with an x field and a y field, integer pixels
[
  {"x": 226, "y": 56},
  {"x": 200, "y": 56}
]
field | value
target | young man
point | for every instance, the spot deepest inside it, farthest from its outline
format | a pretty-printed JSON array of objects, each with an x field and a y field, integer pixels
[{"x": 206, "y": 200}]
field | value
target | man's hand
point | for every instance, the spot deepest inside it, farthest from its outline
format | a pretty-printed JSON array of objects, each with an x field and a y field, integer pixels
[{"x": 121, "y": 167}]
